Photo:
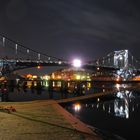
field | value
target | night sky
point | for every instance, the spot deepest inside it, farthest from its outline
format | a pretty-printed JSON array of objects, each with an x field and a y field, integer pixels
[{"x": 87, "y": 29}]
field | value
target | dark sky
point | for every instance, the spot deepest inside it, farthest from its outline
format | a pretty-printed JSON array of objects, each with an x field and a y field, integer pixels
[{"x": 67, "y": 28}]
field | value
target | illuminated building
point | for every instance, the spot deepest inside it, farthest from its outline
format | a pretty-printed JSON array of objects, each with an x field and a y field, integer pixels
[
  {"x": 71, "y": 75},
  {"x": 32, "y": 79}
]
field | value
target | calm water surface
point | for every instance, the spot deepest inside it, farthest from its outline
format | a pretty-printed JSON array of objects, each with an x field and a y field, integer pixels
[{"x": 118, "y": 114}]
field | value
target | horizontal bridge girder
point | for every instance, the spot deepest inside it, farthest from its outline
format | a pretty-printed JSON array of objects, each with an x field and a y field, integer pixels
[{"x": 33, "y": 64}]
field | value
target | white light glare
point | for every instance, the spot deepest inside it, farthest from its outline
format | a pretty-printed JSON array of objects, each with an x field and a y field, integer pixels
[{"x": 77, "y": 63}]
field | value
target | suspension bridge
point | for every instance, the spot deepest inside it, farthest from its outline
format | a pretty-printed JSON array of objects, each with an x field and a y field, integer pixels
[{"x": 15, "y": 56}]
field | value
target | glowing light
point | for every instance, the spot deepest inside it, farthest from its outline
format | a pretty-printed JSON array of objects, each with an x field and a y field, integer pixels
[
  {"x": 118, "y": 86},
  {"x": 29, "y": 76},
  {"x": 88, "y": 77},
  {"x": 38, "y": 67},
  {"x": 117, "y": 79},
  {"x": 121, "y": 110},
  {"x": 46, "y": 77},
  {"x": 34, "y": 76},
  {"x": 77, "y": 107},
  {"x": 83, "y": 77},
  {"x": 98, "y": 68},
  {"x": 60, "y": 62},
  {"x": 59, "y": 84},
  {"x": 98, "y": 99},
  {"x": 77, "y": 63},
  {"x": 53, "y": 76},
  {"x": 46, "y": 84},
  {"x": 78, "y": 77},
  {"x": 89, "y": 85},
  {"x": 53, "y": 84},
  {"x": 121, "y": 58},
  {"x": 119, "y": 95},
  {"x": 59, "y": 77}
]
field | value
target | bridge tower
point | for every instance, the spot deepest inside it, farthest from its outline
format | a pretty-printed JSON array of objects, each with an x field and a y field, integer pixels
[{"x": 121, "y": 59}]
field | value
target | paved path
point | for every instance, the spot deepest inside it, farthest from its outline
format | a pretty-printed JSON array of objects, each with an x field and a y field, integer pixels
[{"x": 41, "y": 120}]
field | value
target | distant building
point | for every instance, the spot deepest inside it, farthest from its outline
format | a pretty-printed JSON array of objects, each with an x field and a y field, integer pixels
[{"x": 71, "y": 74}]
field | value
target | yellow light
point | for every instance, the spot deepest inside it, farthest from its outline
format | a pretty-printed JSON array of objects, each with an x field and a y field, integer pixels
[
  {"x": 88, "y": 77},
  {"x": 83, "y": 77},
  {"x": 89, "y": 85},
  {"x": 46, "y": 77},
  {"x": 2, "y": 78},
  {"x": 53, "y": 76},
  {"x": 59, "y": 77},
  {"x": 78, "y": 77},
  {"x": 38, "y": 67},
  {"x": 34, "y": 76},
  {"x": 29, "y": 76},
  {"x": 58, "y": 84}
]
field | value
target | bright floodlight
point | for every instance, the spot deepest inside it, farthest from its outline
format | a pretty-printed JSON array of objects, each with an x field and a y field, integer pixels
[{"x": 77, "y": 63}]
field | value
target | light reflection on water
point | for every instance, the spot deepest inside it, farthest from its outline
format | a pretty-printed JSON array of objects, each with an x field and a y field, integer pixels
[
  {"x": 119, "y": 107},
  {"x": 119, "y": 115},
  {"x": 77, "y": 107}
]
